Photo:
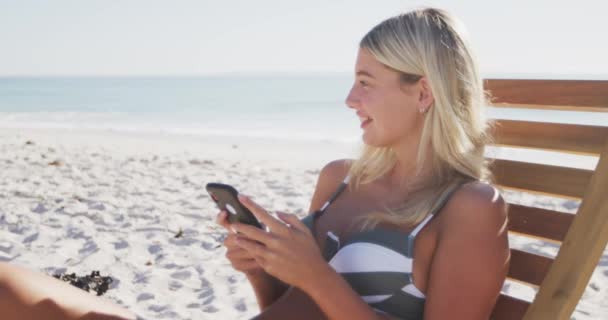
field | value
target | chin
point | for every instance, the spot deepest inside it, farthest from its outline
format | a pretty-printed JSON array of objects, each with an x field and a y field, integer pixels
[
  {"x": 377, "y": 141},
  {"x": 369, "y": 141}
]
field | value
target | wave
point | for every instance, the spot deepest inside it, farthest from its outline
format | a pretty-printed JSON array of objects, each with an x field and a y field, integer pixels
[{"x": 281, "y": 127}]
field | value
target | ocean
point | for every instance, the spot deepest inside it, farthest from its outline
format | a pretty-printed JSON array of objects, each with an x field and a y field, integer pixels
[{"x": 282, "y": 107}]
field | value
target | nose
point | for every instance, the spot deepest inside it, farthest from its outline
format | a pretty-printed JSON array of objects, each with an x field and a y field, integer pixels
[{"x": 352, "y": 101}]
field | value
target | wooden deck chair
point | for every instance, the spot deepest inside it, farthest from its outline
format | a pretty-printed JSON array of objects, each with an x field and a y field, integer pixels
[{"x": 583, "y": 236}]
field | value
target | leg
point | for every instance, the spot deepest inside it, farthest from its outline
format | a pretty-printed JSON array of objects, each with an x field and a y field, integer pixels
[{"x": 25, "y": 294}]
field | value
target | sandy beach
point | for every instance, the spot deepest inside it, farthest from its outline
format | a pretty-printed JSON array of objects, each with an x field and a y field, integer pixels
[{"x": 77, "y": 200}]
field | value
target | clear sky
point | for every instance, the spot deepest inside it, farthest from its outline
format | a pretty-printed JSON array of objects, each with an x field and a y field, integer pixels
[{"x": 200, "y": 37}]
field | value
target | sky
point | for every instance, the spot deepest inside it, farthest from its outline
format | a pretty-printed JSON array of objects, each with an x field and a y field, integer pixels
[{"x": 550, "y": 38}]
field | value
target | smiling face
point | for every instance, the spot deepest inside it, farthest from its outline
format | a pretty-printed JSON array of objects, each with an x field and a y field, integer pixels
[{"x": 389, "y": 110}]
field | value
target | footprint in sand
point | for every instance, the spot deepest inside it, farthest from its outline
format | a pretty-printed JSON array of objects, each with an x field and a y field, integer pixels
[
  {"x": 6, "y": 247},
  {"x": 40, "y": 209},
  {"x": 240, "y": 306},
  {"x": 210, "y": 245},
  {"x": 183, "y": 241},
  {"x": 120, "y": 244},
  {"x": 181, "y": 275},
  {"x": 31, "y": 238},
  {"x": 97, "y": 206},
  {"x": 210, "y": 309},
  {"x": 141, "y": 278},
  {"x": 89, "y": 248},
  {"x": 175, "y": 285},
  {"x": 145, "y": 296},
  {"x": 155, "y": 248}
]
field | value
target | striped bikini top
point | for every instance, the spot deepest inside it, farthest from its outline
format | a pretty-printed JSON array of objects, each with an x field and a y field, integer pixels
[{"x": 377, "y": 263}]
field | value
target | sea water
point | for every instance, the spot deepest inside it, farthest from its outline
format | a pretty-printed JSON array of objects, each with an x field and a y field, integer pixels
[{"x": 302, "y": 107}]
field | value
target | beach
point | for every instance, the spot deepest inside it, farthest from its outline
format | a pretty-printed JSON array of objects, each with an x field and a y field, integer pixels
[{"x": 133, "y": 206}]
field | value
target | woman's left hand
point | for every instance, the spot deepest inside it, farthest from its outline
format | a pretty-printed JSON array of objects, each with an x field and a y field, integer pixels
[{"x": 288, "y": 250}]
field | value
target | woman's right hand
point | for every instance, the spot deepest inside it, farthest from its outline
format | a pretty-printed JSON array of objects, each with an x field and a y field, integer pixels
[{"x": 240, "y": 259}]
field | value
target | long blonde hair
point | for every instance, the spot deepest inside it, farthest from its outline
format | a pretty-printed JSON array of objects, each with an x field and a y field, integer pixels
[{"x": 430, "y": 42}]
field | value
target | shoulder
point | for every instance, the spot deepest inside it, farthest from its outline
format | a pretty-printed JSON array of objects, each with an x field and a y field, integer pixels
[
  {"x": 335, "y": 170},
  {"x": 472, "y": 252},
  {"x": 330, "y": 177},
  {"x": 475, "y": 205}
]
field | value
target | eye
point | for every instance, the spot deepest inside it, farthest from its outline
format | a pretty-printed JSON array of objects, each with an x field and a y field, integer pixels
[{"x": 363, "y": 83}]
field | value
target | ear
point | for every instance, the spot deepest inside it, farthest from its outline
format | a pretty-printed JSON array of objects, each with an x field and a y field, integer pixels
[{"x": 425, "y": 99}]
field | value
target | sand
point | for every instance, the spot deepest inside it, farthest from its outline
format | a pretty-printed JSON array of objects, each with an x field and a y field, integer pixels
[{"x": 77, "y": 201}]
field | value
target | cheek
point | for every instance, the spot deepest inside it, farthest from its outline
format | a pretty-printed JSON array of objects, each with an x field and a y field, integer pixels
[{"x": 399, "y": 114}]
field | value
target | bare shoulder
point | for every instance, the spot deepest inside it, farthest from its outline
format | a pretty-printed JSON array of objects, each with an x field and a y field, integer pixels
[
  {"x": 472, "y": 252},
  {"x": 335, "y": 170},
  {"x": 329, "y": 179},
  {"x": 475, "y": 205}
]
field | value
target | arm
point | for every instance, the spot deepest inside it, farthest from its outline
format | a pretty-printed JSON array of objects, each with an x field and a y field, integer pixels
[
  {"x": 267, "y": 288},
  {"x": 471, "y": 259},
  {"x": 324, "y": 294}
]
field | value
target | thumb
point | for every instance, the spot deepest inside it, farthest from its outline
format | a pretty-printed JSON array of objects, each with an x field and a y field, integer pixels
[{"x": 222, "y": 220}]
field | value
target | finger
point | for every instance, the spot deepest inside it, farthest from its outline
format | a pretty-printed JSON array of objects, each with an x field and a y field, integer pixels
[
  {"x": 249, "y": 266},
  {"x": 239, "y": 254},
  {"x": 229, "y": 241},
  {"x": 251, "y": 233},
  {"x": 222, "y": 219},
  {"x": 292, "y": 220},
  {"x": 262, "y": 215},
  {"x": 255, "y": 249}
]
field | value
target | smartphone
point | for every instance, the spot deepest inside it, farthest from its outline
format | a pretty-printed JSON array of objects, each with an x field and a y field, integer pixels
[{"x": 226, "y": 198}]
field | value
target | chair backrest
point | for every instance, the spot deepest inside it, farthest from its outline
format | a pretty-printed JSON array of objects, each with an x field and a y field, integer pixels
[{"x": 582, "y": 236}]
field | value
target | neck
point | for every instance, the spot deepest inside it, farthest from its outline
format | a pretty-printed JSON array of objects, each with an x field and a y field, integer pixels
[{"x": 406, "y": 172}]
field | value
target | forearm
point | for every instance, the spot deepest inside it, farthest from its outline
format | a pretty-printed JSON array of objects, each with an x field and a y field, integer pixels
[
  {"x": 267, "y": 288},
  {"x": 337, "y": 298}
]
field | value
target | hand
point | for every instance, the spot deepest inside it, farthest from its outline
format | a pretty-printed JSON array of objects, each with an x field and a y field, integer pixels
[
  {"x": 239, "y": 258},
  {"x": 288, "y": 250}
]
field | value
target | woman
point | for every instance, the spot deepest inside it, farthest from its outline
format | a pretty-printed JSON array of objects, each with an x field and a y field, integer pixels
[{"x": 409, "y": 230}]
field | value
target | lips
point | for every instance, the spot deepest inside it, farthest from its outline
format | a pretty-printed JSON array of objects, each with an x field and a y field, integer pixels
[{"x": 365, "y": 121}]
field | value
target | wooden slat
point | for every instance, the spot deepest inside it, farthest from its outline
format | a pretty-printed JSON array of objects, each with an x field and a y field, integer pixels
[
  {"x": 552, "y": 136},
  {"x": 590, "y": 95},
  {"x": 509, "y": 308},
  {"x": 528, "y": 267},
  {"x": 541, "y": 223},
  {"x": 579, "y": 253},
  {"x": 562, "y": 181}
]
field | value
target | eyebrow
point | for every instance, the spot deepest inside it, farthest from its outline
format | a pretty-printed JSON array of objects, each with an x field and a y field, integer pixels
[{"x": 364, "y": 73}]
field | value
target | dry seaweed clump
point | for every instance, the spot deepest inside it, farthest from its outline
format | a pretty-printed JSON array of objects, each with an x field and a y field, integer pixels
[{"x": 93, "y": 282}]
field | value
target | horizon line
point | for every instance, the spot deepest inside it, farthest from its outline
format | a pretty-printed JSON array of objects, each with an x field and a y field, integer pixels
[{"x": 497, "y": 75}]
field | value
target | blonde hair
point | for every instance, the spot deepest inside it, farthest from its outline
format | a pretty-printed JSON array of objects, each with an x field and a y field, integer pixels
[{"x": 431, "y": 43}]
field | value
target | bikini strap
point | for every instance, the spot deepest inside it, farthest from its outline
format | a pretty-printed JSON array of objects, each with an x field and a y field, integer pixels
[
  {"x": 334, "y": 196},
  {"x": 445, "y": 197}
]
